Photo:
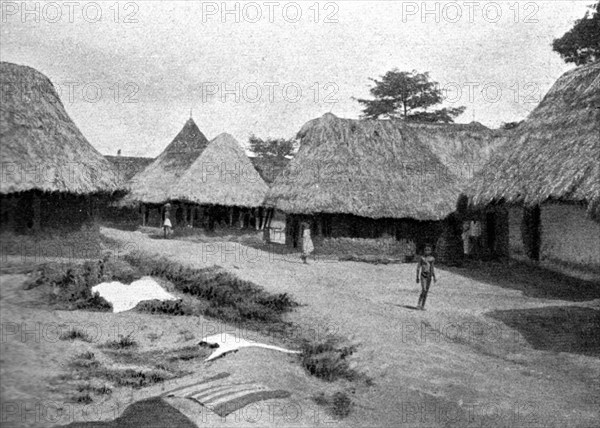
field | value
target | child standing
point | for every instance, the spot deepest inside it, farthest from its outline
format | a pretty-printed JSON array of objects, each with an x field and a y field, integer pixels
[
  {"x": 167, "y": 221},
  {"x": 425, "y": 273},
  {"x": 307, "y": 245}
]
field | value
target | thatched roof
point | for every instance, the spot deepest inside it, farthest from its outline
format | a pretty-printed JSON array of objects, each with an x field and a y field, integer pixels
[
  {"x": 369, "y": 168},
  {"x": 153, "y": 184},
  {"x": 42, "y": 149},
  {"x": 128, "y": 166},
  {"x": 222, "y": 175},
  {"x": 555, "y": 153},
  {"x": 269, "y": 167},
  {"x": 463, "y": 148}
]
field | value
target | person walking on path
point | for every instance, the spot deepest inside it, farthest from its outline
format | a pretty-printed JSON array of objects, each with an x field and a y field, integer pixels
[
  {"x": 167, "y": 220},
  {"x": 307, "y": 244},
  {"x": 425, "y": 273}
]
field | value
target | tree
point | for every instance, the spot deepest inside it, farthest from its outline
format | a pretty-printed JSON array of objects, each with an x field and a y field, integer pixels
[
  {"x": 272, "y": 155},
  {"x": 407, "y": 95},
  {"x": 581, "y": 44}
]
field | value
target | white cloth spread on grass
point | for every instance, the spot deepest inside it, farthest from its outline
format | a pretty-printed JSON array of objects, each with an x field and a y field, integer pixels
[
  {"x": 124, "y": 297},
  {"x": 226, "y": 343}
]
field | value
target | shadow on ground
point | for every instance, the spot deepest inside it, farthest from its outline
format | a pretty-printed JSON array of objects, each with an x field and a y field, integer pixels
[
  {"x": 570, "y": 329},
  {"x": 531, "y": 280},
  {"x": 150, "y": 413}
]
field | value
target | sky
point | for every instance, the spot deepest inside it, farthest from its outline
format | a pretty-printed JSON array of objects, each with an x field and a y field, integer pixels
[{"x": 129, "y": 73}]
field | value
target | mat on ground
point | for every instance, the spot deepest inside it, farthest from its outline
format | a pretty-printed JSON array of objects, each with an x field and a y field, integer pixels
[
  {"x": 226, "y": 343},
  {"x": 222, "y": 396},
  {"x": 124, "y": 297}
]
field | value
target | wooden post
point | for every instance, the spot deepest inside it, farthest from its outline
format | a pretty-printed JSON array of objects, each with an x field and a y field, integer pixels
[
  {"x": 230, "y": 216},
  {"x": 143, "y": 209}
]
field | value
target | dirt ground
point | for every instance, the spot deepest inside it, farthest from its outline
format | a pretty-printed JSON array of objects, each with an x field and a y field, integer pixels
[{"x": 497, "y": 349}]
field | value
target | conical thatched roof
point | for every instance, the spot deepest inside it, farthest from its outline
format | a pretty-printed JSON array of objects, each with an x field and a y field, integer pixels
[
  {"x": 153, "y": 184},
  {"x": 369, "y": 168},
  {"x": 41, "y": 146},
  {"x": 555, "y": 153},
  {"x": 128, "y": 166},
  {"x": 222, "y": 175}
]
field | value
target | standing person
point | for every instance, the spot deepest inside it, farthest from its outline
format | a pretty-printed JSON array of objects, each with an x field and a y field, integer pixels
[
  {"x": 167, "y": 220},
  {"x": 307, "y": 244},
  {"x": 425, "y": 272}
]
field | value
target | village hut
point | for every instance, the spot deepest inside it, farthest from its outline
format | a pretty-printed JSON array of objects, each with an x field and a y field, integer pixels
[
  {"x": 547, "y": 174},
  {"x": 223, "y": 180},
  {"x": 49, "y": 169},
  {"x": 151, "y": 187},
  {"x": 128, "y": 166},
  {"x": 365, "y": 179}
]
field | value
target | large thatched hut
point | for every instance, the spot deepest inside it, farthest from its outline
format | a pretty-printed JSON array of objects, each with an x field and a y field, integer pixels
[
  {"x": 151, "y": 187},
  {"x": 548, "y": 174},
  {"x": 128, "y": 167},
  {"x": 365, "y": 178},
  {"x": 222, "y": 177},
  {"x": 49, "y": 168}
]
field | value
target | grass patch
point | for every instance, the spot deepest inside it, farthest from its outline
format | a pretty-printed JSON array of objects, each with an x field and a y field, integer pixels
[
  {"x": 71, "y": 284},
  {"x": 338, "y": 404},
  {"x": 166, "y": 307},
  {"x": 227, "y": 297},
  {"x": 328, "y": 360},
  {"x": 124, "y": 342},
  {"x": 75, "y": 334}
]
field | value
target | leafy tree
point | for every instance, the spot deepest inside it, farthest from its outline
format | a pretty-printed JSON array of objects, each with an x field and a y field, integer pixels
[
  {"x": 272, "y": 155},
  {"x": 271, "y": 147},
  {"x": 407, "y": 95},
  {"x": 581, "y": 44}
]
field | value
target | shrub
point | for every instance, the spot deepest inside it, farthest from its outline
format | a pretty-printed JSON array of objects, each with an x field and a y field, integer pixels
[
  {"x": 167, "y": 307},
  {"x": 327, "y": 360},
  {"x": 124, "y": 342},
  {"x": 339, "y": 404},
  {"x": 73, "y": 283},
  {"x": 75, "y": 335}
]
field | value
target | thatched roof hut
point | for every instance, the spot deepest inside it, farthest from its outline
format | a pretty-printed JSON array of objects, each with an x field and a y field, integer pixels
[
  {"x": 128, "y": 166},
  {"x": 221, "y": 175},
  {"x": 154, "y": 183},
  {"x": 368, "y": 168},
  {"x": 463, "y": 148},
  {"x": 554, "y": 154},
  {"x": 42, "y": 149}
]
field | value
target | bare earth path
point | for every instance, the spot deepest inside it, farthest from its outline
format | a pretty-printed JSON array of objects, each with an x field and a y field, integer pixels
[{"x": 451, "y": 365}]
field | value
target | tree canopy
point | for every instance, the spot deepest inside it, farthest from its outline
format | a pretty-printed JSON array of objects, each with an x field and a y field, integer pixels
[
  {"x": 581, "y": 44},
  {"x": 408, "y": 96},
  {"x": 272, "y": 155}
]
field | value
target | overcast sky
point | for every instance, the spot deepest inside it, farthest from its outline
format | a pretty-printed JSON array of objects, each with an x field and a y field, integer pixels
[{"x": 129, "y": 74}]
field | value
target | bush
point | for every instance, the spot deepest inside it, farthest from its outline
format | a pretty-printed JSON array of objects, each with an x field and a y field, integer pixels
[
  {"x": 167, "y": 307},
  {"x": 124, "y": 342},
  {"x": 327, "y": 360},
  {"x": 75, "y": 335},
  {"x": 339, "y": 404}
]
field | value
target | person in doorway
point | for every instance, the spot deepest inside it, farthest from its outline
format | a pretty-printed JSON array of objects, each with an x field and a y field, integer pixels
[
  {"x": 307, "y": 244},
  {"x": 425, "y": 273},
  {"x": 167, "y": 226}
]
